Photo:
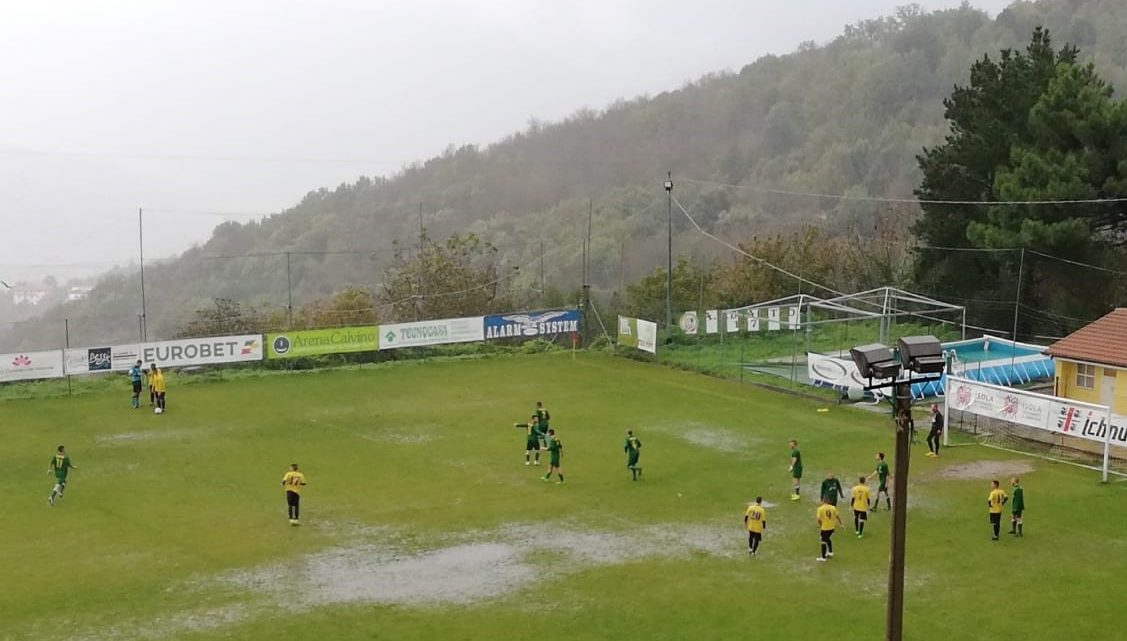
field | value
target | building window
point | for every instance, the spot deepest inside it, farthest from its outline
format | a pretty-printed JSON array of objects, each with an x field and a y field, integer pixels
[{"x": 1085, "y": 376}]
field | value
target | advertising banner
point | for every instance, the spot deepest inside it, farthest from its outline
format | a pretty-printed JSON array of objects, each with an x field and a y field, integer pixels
[
  {"x": 836, "y": 372},
  {"x": 92, "y": 360},
  {"x": 753, "y": 320},
  {"x": 732, "y": 322},
  {"x": 312, "y": 342},
  {"x": 711, "y": 321},
  {"x": 203, "y": 351},
  {"x": 627, "y": 331},
  {"x": 647, "y": 336},
  {"x": 794, "y": 318},
  {"x": 1052, "y": 413},
  {"x": 434, "y": 332},
  {"x": 532, "y": 324},
  {"x": 773, "y": 319},
  {"x": 689, "y": 323},
  {"x": 26, "y": 366}
]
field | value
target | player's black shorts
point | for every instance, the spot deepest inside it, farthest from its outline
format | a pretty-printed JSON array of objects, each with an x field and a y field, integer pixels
[
  {"x": 826, "y": 534},
  {"x": 883, "y": 487},
  {"x": 292, "y": 498},
  {"x": 532, "y": 444},
  {"x": 861, "y": 514},
  {"x": 995, "y": 517},
  {"x": 754, "y": 536},
  {"x": 1017, "y": 513},
  {"x": 136, "y": 387}
]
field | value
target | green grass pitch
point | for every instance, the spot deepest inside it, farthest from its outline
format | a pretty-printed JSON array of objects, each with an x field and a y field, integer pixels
[{"x": 421, "y": 520}]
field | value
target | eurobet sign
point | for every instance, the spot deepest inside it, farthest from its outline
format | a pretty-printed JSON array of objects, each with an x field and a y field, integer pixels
[
  {"x": 204, "y": 351},
  {"x": 315, "y": 342}
]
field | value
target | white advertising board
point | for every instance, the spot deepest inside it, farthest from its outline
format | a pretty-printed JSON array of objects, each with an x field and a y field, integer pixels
[
  {"x": 203, "y": 351},
  {"x": 92, "y": 360},
  {"x": 26, "y": 366},
  {"x": 647, "y": 336},
  {"x": 435, "y": 332}
]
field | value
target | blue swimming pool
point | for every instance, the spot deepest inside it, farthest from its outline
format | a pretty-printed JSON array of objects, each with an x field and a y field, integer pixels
[
  {"x": 989, "y": 349},
  {"x": 988, "y": 359},
  {"x": 991, "y": 360}
]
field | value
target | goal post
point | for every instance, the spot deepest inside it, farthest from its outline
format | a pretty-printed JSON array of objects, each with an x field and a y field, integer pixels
[{"x": 1051, "y": 427}]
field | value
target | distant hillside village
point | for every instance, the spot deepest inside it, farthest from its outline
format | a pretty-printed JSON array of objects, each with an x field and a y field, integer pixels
[{"x": 38, "y": 293}]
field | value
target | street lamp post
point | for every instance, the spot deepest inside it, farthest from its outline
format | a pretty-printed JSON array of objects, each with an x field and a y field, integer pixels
[{"x": 669, "y": 268}]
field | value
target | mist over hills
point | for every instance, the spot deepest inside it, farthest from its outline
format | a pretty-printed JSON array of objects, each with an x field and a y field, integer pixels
[{"x": 847, "y": 117}]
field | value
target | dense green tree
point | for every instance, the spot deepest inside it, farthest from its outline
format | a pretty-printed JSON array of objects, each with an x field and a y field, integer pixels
[
  {"x": 455, "y": 278},
  {"x": 1033, "y": 126}
]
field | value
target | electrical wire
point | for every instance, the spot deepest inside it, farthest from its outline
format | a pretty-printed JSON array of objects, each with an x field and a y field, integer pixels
[{"x": 905, "y": 201}]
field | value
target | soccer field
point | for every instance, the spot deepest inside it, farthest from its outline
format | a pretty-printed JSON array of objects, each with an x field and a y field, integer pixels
[{"x": 421, "y": 521}]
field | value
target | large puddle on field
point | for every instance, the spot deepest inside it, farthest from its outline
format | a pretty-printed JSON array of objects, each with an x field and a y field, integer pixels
[
  {"x": 713, "y": 437},
  {"x": 371, "y": 574},
  {"x": 496, "y": 563},
  {"x": 477, "y": 566}
]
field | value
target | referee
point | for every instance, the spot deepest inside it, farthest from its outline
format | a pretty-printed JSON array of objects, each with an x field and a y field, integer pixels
[{"x": 935, "y": 432}]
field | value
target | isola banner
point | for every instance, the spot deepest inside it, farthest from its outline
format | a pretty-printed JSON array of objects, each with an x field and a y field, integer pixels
[
  {"x": 532, "y": 324},
  {"x": 314, "y": 342}
]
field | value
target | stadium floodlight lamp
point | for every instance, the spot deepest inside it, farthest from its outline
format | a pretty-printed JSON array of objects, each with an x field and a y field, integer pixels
[
  {"x": 922, "y": 354},
  {"x": 875, "y": 361}
]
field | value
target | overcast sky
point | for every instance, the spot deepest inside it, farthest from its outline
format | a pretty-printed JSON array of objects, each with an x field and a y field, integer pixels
[{"x": 242, "y": 107}]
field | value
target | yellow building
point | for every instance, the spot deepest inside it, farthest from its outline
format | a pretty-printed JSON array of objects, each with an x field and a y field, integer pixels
[{"x": 1091, "y": 363}]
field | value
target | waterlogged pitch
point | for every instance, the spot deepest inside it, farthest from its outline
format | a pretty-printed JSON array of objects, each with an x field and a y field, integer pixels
[{"x": 421, "y": 521}]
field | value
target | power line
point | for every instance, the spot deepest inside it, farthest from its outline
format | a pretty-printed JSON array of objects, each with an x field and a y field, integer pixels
[
  {"x": 757, "y": 259},
  {"x": 217, "y": 214},
  {"x": 992, "y": 250},
  {"x": 196, "y": 157},
  {"x": 905, "y": 201}
]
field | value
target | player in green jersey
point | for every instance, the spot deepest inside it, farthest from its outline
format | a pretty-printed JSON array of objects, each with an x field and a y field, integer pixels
[
  {"x": 60, "y": 466},
  {"x": 532, "y": 439},
  {"x": 795, "y": 468},
  {"x": 555, "y": 453},
  {"x": 882, "y": 482},
  {"x": 1017, "y": 508},
  {"x": 545, "y": 423},
  {"x": 633, "y": 449},
  {"x": 831, "y": 489}
]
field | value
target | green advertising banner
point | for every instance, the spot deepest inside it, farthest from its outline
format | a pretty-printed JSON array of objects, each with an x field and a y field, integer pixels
[
  {"x": 627, "y": 331},
  {"x": 322, "y": 341}
]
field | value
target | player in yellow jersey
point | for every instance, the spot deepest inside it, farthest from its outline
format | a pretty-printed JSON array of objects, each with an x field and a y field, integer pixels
[
  {"x": 157, "y": 386},
  {"x": 827, "y": 519},
  {"x": 755, "y": 518},
  {"x": 860, "y": 494},
  {"x": 293, "y": 481},
  {"x": 996, "y": 499}
]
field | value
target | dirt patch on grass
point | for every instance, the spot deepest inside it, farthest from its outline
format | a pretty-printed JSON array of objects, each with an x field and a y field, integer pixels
[{"x": 985, "y": 470}]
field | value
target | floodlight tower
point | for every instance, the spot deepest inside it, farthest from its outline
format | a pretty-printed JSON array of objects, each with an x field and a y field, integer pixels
[
  {"x": 918, "y": 355},
  {"x": 669, "y": 269}
]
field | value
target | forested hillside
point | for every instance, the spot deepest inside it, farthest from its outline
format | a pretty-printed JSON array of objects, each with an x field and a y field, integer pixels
[{"x": 847, "y": 117}]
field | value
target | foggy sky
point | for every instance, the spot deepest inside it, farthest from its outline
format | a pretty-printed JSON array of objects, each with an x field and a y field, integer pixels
[{"x": 243, "y": 107}]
